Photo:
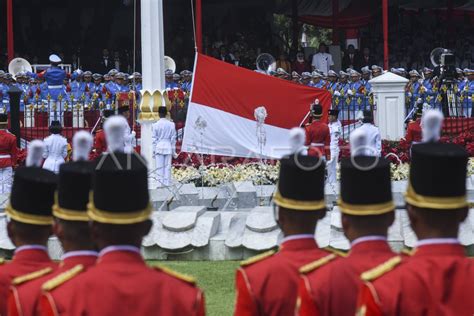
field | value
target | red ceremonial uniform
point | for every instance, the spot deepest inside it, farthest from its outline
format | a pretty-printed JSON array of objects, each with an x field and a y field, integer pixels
[
  {"x": 269, "y": 286},
  {"x": 122, "y": 284},
  {"x": 27, "y": 259},
  {"x": 23, "y": 299},
  {"x": 414, "y": 132},
  {"x": 437, "y": 280},
  {"x": 8, "y": 149},
  {"x": 331, "y": 289},
  {"x": 100, "y": 144},
  {"x": 318, "y": 138}
]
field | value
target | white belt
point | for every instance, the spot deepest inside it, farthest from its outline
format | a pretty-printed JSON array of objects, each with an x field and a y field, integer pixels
[
  {"x": 317, "y": 144},
  {"x": 5, "y": 156},
  {"x": 55, "y": 87}
]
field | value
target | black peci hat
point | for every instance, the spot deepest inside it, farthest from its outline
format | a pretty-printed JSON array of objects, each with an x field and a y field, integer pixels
[
  {"x": 3, "y": 118},
  {"x": 123, "y": 109},
  {"x": 301, "y": 183},
  {"x": 120, "y": 190},
  {"x": 32, "y": 196},
  {"x": 108, "y": 113},
  {"x": 419, "y": 110},
  {"x": 366, "y": 188},
  {"x": 438, "y": 174},
  {"x": 162, "y": 110},
  {"x": 333, "y": 112},
  {"x": 75, "y": 182},
  {"x": 368, "y": 116},
  {"x": 55, "y": 127},
  {"x": 317, "y": 110}
]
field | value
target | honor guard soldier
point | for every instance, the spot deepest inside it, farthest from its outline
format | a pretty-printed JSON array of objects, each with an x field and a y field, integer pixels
[
  {"x": 71, "y": 226},
  {"x": 118, "y": 225},
  {"x": 317, "y": 133},
  {"x": 100, "y": 144},
  {"x": 267, "y": 284},
  {"x": 8, "y": 155},
  {"x": 335, "y": 130},
  {"x": 437, "y": 279},
  {"x": 413, "y": 134},
  {"x": 30, "y": 225},
  {"x": 329, "y": 286}
]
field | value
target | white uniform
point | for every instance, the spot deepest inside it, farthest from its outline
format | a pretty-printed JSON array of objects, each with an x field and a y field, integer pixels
[
  {"x": 55, "y": 151},
  {"x": 335, "y": 130},
  {"x": 374, "y": 141},
  {"x": 6, "y": 179},
  {"x": 129, "y": 138},
  {"x": 323, "y": 62},
  {"x": 164, "y": 146}
]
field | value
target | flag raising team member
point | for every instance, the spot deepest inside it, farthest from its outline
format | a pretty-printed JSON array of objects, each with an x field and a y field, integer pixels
[
  {"x": 330, "y": 287},
  {"x": 267, "y": 284}
]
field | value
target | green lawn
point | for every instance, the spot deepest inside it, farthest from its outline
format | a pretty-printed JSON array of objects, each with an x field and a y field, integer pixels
[{"x": 216, "y": 278}]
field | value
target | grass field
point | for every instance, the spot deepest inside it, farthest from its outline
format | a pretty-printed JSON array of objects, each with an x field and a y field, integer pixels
[{"x": 216, "y": 278}]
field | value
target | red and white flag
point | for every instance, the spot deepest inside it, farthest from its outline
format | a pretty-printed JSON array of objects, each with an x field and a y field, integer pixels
[{"x": 226, "y": 113}]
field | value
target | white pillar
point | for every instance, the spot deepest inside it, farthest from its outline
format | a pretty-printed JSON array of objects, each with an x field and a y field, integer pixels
[
  {"x": 390, "y": 112},
  {"x": 153, "y": 71}
]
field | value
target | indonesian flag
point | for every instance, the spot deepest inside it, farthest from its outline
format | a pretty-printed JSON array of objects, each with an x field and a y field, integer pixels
[{"x": 241, "y": 113}]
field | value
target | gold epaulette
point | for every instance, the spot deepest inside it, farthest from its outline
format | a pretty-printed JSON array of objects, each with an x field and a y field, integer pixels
[
  {"x": 336, "y": 251},
  {"x": 62, "y": 278},
  {"x": 381, "y": 269},
  {"x": 317, "y": 264},
  {"x": 31, "y": 276},
  {"x": 407, "y": 251},
  {"x": 184, "y": 277},
  {"x": 2, "y": 260},
  {"x": 257, "y": 258}
]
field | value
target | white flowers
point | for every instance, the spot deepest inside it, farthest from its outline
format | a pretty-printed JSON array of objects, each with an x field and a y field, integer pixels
[
  {"x": 261, "y": 174},
  {"x": 214, "y": 175}
]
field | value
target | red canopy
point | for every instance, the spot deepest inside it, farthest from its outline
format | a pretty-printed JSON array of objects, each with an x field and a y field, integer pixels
[{"x": 354, "y": 14}]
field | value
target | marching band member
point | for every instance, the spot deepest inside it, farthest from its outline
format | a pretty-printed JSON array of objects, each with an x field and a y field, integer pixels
[{"x": 54, "y": 77}]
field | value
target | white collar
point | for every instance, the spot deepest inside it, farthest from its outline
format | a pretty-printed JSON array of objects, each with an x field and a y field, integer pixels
[
  {"x": 119, "y": 248},
  {"x": 79, "y": 253},
  {"x": 299, "y": 236},
  {"x": 437, "y": 241},
  {"x": 31, "y": 247},
  {"x": 367, "y": 238}
]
